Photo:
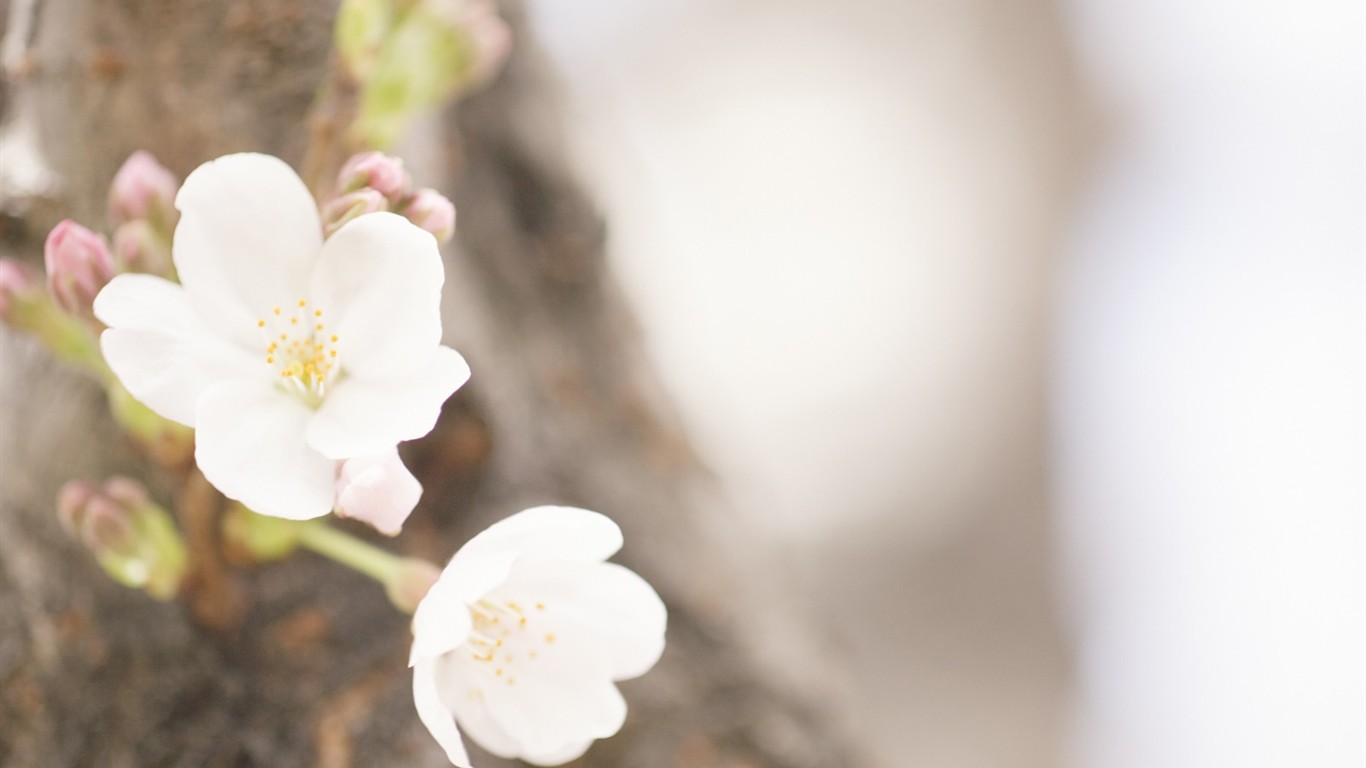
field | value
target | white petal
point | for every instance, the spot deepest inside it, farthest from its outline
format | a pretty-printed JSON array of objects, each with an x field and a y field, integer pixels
[
  {"x": 361, "y": 417},
  {"x": 378, "y": 490},
  {"x": 435, "y": 716},
  {"x": 160, "y": 350},
  {"x": 463, "y": 695},
  {"x": 379, "y": 281},
  {"x": 144, "y": 302},
  {"x": 554, "y": 533},
  {"x": 441, "y": 622},
  {"x": 619, "y": 609},
  {"x": 249, "y": 442},
  {"x": 247, "y": 241},
  {"x": 562, "y": 698},
  {"x": 628, "y": 616}
]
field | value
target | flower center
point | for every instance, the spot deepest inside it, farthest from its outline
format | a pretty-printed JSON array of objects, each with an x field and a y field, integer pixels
[
  {"x": 301, "y": 350},
  {"x": 507, "y": 637}
]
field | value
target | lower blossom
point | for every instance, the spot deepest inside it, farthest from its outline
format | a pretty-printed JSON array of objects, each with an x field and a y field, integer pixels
[{"x": 521, "y": 639}]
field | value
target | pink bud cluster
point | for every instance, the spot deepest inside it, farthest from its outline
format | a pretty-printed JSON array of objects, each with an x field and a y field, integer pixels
[
  {"x": 142, "y": 189},
  {"x": 101, "y": 515},
  {"x": 142, "y": 209},
  {"x": 80, "y": 262},
  {"x": 373, "y": 181},
  {"x": 132, "y": 538}
]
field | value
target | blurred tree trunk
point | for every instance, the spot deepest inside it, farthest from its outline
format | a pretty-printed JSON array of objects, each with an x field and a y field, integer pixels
[{"x": 562, "y": 408}]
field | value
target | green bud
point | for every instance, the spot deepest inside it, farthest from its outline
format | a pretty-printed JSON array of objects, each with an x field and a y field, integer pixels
[
  {"x": 362, "y": 26},
  {"x": 250, "y": 537},
  {"x": 134, "y": 540},
  {"x": 410, "y": 583},
  {"x": 428, "y": 53}
]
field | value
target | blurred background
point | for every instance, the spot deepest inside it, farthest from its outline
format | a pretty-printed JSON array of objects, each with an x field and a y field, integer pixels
[{"x": 1029, "y": 337}]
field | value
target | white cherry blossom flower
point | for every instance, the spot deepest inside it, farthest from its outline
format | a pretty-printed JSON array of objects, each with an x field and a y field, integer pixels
[
  {"x": 520, "y": 639},
  {"x": 287, "y": 354}
]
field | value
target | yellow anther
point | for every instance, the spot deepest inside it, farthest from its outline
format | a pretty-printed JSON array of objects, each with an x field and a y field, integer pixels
[
  {"x": 260, "y": 323},
  {"x": 540, "y": 606},
  {"x": 270, "y": 359},
  {"x": 303, "y": 303},
  {"x": 334, "y": 338},
  {"x": 276, "y": 310},
  {"x": 319, "y": 326},
  {"x": 293, "y": 321},
  {"x": 317, "y": 313},
  {"x": 550, "y": 637}
]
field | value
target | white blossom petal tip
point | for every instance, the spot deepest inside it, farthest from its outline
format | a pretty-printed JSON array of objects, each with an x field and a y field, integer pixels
[
  {"x": 525, "y": 633},
  {"x": 279, "y": 324}
]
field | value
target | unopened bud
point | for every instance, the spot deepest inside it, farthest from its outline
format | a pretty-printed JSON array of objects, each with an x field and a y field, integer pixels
[
  {"x": 377, "y": 490},
  {"x": 134, "y": 540},
  {"x": 433, "y": 212},
  {"x": 252, "y": 538},
  {"x": 107, "y": 530},
  {"x": 350, "y": 206},
  {"x": 26, "y": 304},
  {"x": 19, "y": 287},
  {"x": 143, "y": 189},
  {"x": 410, "y": 583},
  {"x": 140, "y": 247},
  {"x": 492, "y": 41},
  {"x": 376, "y": 170},
  {"x": 71, "y": 502},
  {"x": 79, "y": 264}
]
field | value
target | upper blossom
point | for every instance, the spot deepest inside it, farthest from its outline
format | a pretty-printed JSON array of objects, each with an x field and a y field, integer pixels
[{"x": 287, "y": 354}]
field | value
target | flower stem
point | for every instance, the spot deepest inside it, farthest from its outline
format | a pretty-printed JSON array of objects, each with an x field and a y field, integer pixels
[{"x": 350, "y": 551}]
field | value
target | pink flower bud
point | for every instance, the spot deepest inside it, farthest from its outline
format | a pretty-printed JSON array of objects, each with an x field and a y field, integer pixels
[
  {"x": 71, "y": 502},
  {"x": 107, "y": 529},
  {"x": 492, "y": 41},
  {"x": 377, "y": 490},
  {"x": 78, "y": 266},
  {"x": 433, "y": 212},
  {"x": 143, "y": 189},
  {"x": 138, "y": 247},
  {"x": 19, "y": 286},
  {"x": 351, "y": 205},
  {"x": 376, "y": 170},
  {"x": 133, "y": 539}
]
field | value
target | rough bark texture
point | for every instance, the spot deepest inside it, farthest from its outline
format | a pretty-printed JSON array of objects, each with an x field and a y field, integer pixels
[{"x": 562, "y": 408}]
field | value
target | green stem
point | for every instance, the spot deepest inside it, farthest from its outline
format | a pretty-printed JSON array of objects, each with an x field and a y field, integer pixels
[{"x": 350, "y": 551}]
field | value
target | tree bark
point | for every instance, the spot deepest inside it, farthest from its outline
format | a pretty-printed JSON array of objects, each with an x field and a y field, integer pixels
[{"x": 563, "y": 408}]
